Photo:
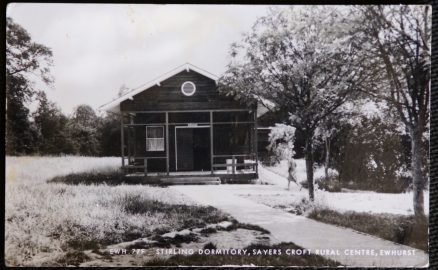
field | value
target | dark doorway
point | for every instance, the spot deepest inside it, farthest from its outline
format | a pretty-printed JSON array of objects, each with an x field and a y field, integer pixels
[{"x": 193, "y": 149}]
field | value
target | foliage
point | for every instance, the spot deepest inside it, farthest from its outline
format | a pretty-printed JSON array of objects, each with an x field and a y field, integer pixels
[
  {"x": 24, "y": 59},
  {"x": 109, "y": 136},
  {"x": 51, "y": 125},
  {"x": 281, "y": 141},
  {"x": 304, "y": 60},
  {"x": 50, "y": 132},
  {"x": 329, "y": 182},
  {"x": 399, "y": 42},
  {"x": 83, "y": 126},
  {"x": 370, "y": 155}
]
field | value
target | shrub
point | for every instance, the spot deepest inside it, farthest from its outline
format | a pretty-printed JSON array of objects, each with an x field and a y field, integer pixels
[
  {"x": 303, "y": 207},
  {"x": 370, "y": 156},
  {"x": 332, "y": 184},
  {"x": 73, "y": 258}
]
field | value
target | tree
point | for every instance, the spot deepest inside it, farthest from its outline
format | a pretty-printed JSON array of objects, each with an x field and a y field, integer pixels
[
  {"x": 305, "y": 61},
  {"x": 24, "y": 59},
  {"x": 51, "y": 124},
  {"x": 400, "y": 39},
  {"x": 328, "y": 128},
  {"x": 109, "y": 136},
  {"x": 84, "y": 125},
  {"x": 369, "y": 155}
]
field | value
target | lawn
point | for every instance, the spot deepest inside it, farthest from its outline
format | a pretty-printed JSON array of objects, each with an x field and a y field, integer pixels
[
  {"x": 351, "y": 200},
  {"x": 59, "y": 210},
  {"x": 45, "y": 220},
  {"x": 63, "y": 211},
  {"x": 396, "y": 228},
  {"x": 385, "y": 215}
]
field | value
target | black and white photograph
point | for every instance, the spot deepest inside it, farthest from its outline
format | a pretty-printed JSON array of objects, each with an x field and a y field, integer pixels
[{"x": 217, "y": 135}]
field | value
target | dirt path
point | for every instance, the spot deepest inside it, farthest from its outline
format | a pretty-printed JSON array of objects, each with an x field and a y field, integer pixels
[{"x": 344, "y": 245}]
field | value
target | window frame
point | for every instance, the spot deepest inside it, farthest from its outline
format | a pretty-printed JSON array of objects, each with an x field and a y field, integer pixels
[
  {"x": 162, "y": 138},
  {"x": 185, "y": 93}
]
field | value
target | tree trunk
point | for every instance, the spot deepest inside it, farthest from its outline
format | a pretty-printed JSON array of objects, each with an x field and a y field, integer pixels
[
  {"x": 327, "y": 157},
  {"x": 309, "y": 167},
  {"x": 417, "y": 176}
]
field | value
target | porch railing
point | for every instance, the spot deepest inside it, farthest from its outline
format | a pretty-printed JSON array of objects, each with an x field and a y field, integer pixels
[
  {"x": 126, "y": 168},
  {"x": 231, "y": 167},
  {"x": 235, "y": 165}
]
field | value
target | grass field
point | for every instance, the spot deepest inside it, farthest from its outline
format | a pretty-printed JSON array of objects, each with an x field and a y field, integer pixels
[
  {"x": 45, "y": 220},
  {"x": 396, "y": 228}
]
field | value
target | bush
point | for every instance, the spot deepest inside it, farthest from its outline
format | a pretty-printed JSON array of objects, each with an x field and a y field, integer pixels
[
  {"x": 371, "y": 156},
  {"x": 303, "y": 207},
  {"x": 73, "y": 258},
  {"x": 332, "y": 184}
]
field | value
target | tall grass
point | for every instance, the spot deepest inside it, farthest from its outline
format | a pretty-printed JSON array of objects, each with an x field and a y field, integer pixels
[
  {"x": 397, "y": 228},
  {"x": 43, "y": 220}
]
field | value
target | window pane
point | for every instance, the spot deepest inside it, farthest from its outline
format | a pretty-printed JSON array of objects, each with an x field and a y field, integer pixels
[
  {"x": 154, "y": 144},
  {"x": 155, "y": 132}
]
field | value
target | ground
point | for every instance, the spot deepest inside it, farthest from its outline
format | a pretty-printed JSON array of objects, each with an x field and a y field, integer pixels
[
  {"x": 350, "y": 200},
  {"x": 43, "y": 219},
  {"x": 334, "y": 242}
]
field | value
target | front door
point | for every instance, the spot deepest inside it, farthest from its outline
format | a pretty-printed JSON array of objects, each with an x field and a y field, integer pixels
[{"x": 193, "y": 149}]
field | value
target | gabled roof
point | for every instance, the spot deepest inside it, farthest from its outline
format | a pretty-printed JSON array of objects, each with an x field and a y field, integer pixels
[{"x": 114, "y": 105}]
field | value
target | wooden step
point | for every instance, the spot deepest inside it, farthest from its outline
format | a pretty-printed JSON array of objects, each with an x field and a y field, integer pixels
[{"x": 204, "y": 180}]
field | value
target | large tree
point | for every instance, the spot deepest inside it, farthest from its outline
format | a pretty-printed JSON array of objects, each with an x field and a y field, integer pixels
[
  {"x": 400, "y": 39},
  {"x": 304, "y": 60},
  {"x": 84, "y": 125},
  {"x": 25, "y": 59},
  {"x": 51, "y": 125},
  {"x": 109, "y": 135}
]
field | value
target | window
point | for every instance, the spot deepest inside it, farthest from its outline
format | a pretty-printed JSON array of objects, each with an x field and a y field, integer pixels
[
  {"x": 188, "y": 88},
  {"x": 155, "y": 138}
]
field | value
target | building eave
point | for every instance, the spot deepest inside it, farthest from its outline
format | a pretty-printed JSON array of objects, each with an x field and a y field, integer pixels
[{"x": 114, "y": 105}]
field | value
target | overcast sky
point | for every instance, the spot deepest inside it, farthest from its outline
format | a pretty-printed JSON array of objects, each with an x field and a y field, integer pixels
[{"x": 97, "y": 48}]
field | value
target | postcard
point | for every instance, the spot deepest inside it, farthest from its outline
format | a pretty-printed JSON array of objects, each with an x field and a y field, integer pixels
[{"x": 217, "y": 135}]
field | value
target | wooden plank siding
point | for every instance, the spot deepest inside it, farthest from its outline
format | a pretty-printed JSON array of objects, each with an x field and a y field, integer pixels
[
  {"x": 231, "y": 125},
  {"x": 168, "y": 96}
]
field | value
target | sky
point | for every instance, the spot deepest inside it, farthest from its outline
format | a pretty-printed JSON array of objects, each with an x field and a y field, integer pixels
[{"x": 97, "y": 48}]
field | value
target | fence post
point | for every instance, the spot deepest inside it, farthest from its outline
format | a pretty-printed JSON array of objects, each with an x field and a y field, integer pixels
[
  {"x": 211, "y": 143},
  {"x": 234, "y": 164},
  {"x": 145, "y": 166}
]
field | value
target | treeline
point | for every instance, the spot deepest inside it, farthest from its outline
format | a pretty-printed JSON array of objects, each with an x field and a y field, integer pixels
[
  {"x": 50, "y": 132},
  {"x": 47, "y": 131}
]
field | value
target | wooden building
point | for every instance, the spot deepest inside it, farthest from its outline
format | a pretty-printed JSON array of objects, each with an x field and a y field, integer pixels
[{"x": 180, "y": 126}]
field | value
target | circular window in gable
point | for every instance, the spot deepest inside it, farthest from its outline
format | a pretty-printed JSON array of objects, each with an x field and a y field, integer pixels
[{"x": 188, "y": 88}]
